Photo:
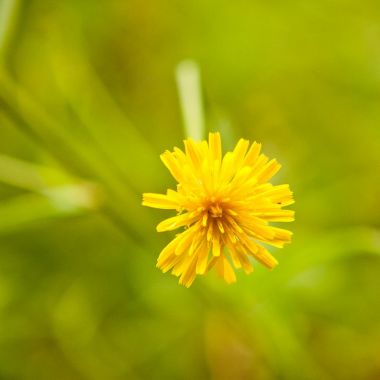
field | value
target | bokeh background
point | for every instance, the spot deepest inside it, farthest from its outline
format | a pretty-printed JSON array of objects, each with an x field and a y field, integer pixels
[{"x": 88, "y": 101}]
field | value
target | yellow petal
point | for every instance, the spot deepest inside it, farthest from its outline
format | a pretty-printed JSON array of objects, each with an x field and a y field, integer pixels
[
  {"x": 234, "y": 256},
  {"x": 277, "y": 216},
  {"x": 227, "y": 169},
  {"x": 259, "y": 163},
  {"x": 172, "y": 164},
  {"x": 189, "y": 274},
  {"x": 220, "y": 226},
  {"x": 167, "y": 257},
  {"x": 158, "y": 201},
  {"x": 268, "y": 171},
  {"x": 216, "y": 246},
  {"x": 178, "y": 221},
  {"x": 252, "y": 154},
  {"x": 282, "y": 234},
  {"x": 225, "y": 270},
  {"x": 243, "y": 259},
  {"x": 215, "y": 147},
  {"x": 192, "y": 153},
  {"x": 239, "y": 153},
  {"x": 185, "y": 239},
  {"x": 264, "y": 257},
  {"x": 202, "y": 258},
  {"x": 182, "y": 264}
]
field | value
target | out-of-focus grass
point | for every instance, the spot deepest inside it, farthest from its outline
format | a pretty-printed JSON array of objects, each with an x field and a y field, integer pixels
[{"x": 88, "y": 100}]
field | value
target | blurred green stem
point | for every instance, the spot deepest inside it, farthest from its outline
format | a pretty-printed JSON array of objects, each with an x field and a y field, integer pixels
[
  {"x": 8, "y": 16},
  {"x": 29, "y": 176},
  {"x": 104, "y": 120},
  {"x": 190, "y": 96},
  {"x": 56, "y": 194},
  {"x": 79, "y": 156}
]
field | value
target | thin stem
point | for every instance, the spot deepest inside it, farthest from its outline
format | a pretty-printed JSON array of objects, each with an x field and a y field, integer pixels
[{"x": 190, "y": 96}]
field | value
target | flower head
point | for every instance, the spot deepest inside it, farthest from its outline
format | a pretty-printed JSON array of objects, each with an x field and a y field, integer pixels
[{"x": 225, "y": 205}]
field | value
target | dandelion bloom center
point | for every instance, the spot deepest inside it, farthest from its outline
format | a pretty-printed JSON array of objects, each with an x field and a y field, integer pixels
[{"x": 225, "y": 205}]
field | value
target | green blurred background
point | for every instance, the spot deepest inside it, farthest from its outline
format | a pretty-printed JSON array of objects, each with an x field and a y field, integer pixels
[{"x": 88, "y": 101}]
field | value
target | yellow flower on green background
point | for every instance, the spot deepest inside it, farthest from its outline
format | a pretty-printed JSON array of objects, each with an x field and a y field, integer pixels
[{"x": 224, "y": 205}]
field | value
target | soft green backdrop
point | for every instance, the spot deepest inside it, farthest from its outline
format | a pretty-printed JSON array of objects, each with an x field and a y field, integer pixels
[{"x": 88, "y": 101}]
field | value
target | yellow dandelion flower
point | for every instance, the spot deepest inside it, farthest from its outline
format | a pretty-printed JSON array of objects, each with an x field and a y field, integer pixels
[{"x": 225, "y": 205}]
